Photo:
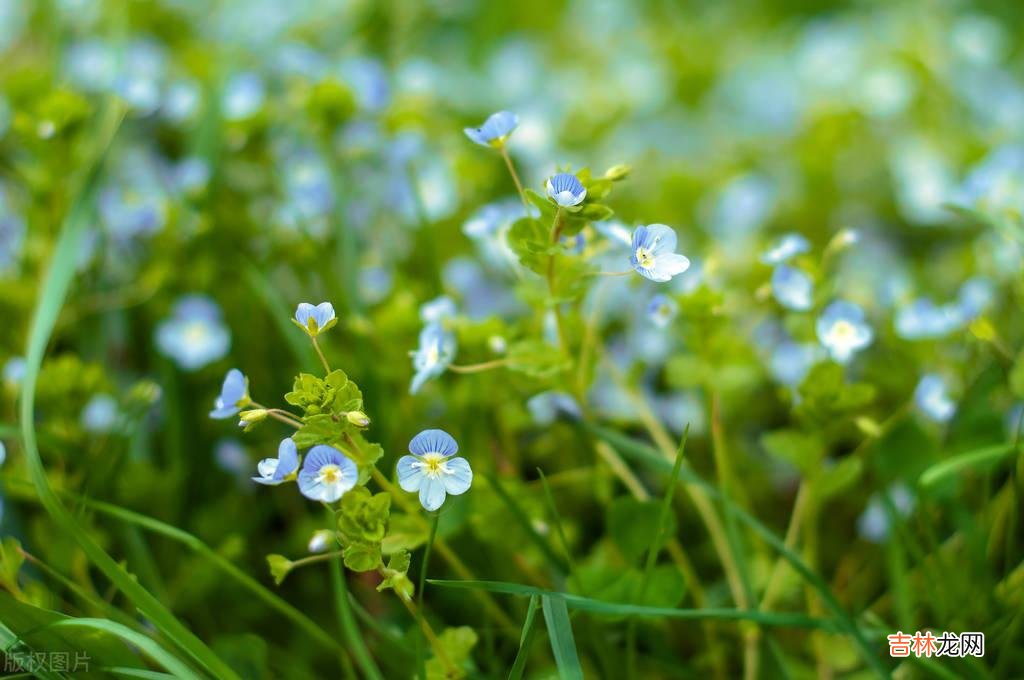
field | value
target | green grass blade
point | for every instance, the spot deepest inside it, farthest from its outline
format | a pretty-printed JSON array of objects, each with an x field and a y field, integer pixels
[
  {"x": 524, "y": 522},
  {"x": 601, "y": 607},
  {"x": 175, "y": 534},
  {"x": 8, "y": 639},
  {"x": 52, "y": 294},
  {"x": 525, "y": 640},
  {"x": 666, "y": 508},
  {"x": 349, "y": 627},
  {"x": 634, "y": 450},
  {"x": 563, "y": 645},
  {"x": 145, "y": 644},
  {"x": 978, "y": 459},
  {"x": 137, "y": 673}
]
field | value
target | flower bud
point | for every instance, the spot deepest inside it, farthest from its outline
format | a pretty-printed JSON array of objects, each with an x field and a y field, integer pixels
[
  {"x": 618, "y": 172},
  {"x": 253, "y": 416},
  {"x": 357, "y": 418}
]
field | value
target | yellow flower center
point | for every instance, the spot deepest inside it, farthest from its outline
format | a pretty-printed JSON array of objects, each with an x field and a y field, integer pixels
[
  {"x": 195, "y": 333},
  {"x": 644, "y": 257},
  {"x": 330, "y": 474},
  {"x": 433, "y": 464},
  {"x": 843, "y": 330}
]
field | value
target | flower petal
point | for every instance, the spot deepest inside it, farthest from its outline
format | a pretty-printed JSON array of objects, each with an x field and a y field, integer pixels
[
  {"x": 433, "y": 441},
  {"x": 432, "y": 493},
  {"x": 409, "y": 476},
  {"x": 459, "y": 477},
  {"x": 287, "y": 458}
]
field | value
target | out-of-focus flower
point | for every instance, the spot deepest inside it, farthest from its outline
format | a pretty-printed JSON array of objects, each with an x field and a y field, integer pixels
[
  {"x": 315, "y": 319},
  {"x": 566, "y": 190},
  {"x": 234, "y": 394},
  {"x": 100, "y": 414},
  {"x": 792, "y": 288},
  {"x": 437, "y": 310},
  {"x": 320, "y": 541},
  {"x": 194, "y": 335},
  {"x": 791, "y": 361},
  {"x": 274, "y": 471},
  {"x": 432, "y": 470},
  {"x": 436, "y": 351},
  {"x": 231, "y": 457},
  {"x": 495, "y": 129},
  {"x": 243, "y": 96},
  {"x": 843, "y": 331},
  {"x": 874, "y": 523},
  {"x": 785, "y": 248},
  {"x": 661, "y": 310},
  {"x": 654, "y": 253},
  {"x": 545, "y": 407},
  {"x": 327, "y": 474},
  {"x": 975, "y": 296},
  {"x": 923, "y": 319},
  {"x": 932, "y": 397},
  {"x": 14, "y": 371}
]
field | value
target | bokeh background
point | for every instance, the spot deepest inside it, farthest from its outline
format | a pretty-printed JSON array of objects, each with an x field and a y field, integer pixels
[{"x": 279, "y": 152}]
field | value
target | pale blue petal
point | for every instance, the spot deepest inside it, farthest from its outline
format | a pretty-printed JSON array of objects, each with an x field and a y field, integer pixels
[
  {"x": 287, "y": 458},
  {"x": 433, "y": 441},
  {"x": 409, "y": 476},
  {"x": 432, "y": 493},
  {"x": 660, "y": 238},
  {"x": 459, "y": 477}
]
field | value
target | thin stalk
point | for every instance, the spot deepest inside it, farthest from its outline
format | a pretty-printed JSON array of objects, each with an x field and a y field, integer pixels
[
  {"x": 428, "y": 632},
  {"x": 477, "y": 368},
  {"x": 420, "y": 663},
  {"x": 556, "y": 231},
  {"x": 515, "y": 177},
  {"x": 320, "y": 353}
]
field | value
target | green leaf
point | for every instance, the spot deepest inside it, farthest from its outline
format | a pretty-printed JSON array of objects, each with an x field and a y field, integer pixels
[
  {"x": 396, "y": 575},
  {"x": 803, "y": 450},
  {"x": 563, "y": 644},
  {"x": 322, "y": 429},
  {"x": 279, "y": 567},
  {"x": 363, "y": 517},
  {"x": 11, "y": 559},
  {"x": 531, "y": 242},
  {"x": 335, "y": 394},
  {"x": 977, "y": 460},
  {"x": 825, "y": 397},
  {"x": 405, "y": 532},
  {"x": 633, "y": 525},
  {"x": 595, "y": 212},
  {"x": 836, "y": 478},
  {"x": 537, "y": 359},
  {"x": 542, "y": 203},
  {"x": 362, "y": 556},
  {"x": 457, "y": 644}
]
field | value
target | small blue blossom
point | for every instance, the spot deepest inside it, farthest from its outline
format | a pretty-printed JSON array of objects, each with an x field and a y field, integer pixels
[
  {"x": 231, "y": 457},
  {"x": 327, "y": 474},
  {"x": 12, "y": 235},
  {"x": 243, "y": 96},
  {"x": 100, "y": 414},
  {"x": 842, "y": 330},
  {"x": 432, "y": 471},
  {"x": 546, "y": 407},
  {"x": 14, "y": 371},
  {"x": 437, "y": 310},
  {"x": 932, "y": 397},
  {"x": 787, "y": 247},
  {"x": 320, "y": 541},
  {"x": 435, "y": 353},
  {"x": 3, "y": 453},
  {"x": 274, "y": 471},
  {"x": 234, "y": 394},
  {"x": 194, "y": 335},
  {"x": 661, "y": 310},
  {"x": 566, "y": 190},
  {"x": 315, "y": 319},
  {"x": 495, "y": 129},
  {"x": 791, "y": 361},
  {"x": 874, "y": 523},
  {"x": 654, "y": 253},
  {"x": 792, "y": 288},
  {"x": 575, "y": 244},
  {"x": 923, "y": 319},
  {"x": 975, "y": 296}
]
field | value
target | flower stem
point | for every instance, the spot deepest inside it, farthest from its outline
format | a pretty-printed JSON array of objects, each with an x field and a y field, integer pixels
[
  {"x": 312, "y": 559},
  {"x": 319, "y": 352},
  {"x": 556, "y": 231},
  {"x": 419, "y": 591},
  {"x": 431, "y": 636},
  {"x": 477, "y": 368},
  {"x": 515, "y": 178}
]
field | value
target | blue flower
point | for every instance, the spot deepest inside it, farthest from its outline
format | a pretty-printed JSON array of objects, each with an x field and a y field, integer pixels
[
  {"x": 873, "y": 524},
  {"x": 232, "y": 458},
  {"x": 923, "y": 319},
  {"x": 12, "y": 235},
  {"x": 654, "y": 253},
  {"x": 274, "y": 471},
  {"x": 791, "y": 361},
  {"x": 545, "y": 407},
  {"x": 792, "y": 288},
  {"x": 194, "y": 336},
  {"x": 243, "y": 96},
  {"x": 842, "y": 330},
  {"x": 566, "y": 190},
  {"x": 327, "y": 474},
  {"x": 932, "y": 397},
  {"x": 14, "y": 371},
  {"x": 787, "y": 247},
  {"x": 100, "y": 414},
  {"x": 435, "y": 353},
  {"x": 234, "y": 394},
  {"x": 314, "y": 320},
  {"x": 3, "y": 453},
  {"x": 495, "y": 129},
  {"x": 432, "y": 471},
  {"x": 437, "y": 310},
  {"x": 661, "y": 310}
]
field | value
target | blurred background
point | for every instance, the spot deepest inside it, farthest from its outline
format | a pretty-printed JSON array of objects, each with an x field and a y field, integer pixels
[{"x": 282, "y": 152}]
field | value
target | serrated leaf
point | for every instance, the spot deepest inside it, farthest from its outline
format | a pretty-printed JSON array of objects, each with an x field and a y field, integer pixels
[
  {"x": 362, "y": 556},
  {"x": 319, "y": 429},
  {"x": 363, "y": 517}
]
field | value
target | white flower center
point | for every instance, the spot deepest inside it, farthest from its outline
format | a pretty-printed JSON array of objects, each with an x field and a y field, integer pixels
[
  {"x": 195, "y": 333},
  {"x": 329, "y": 474},
  {"x": 843, "y": 331},
  {"x": 433, "y": 464}
]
